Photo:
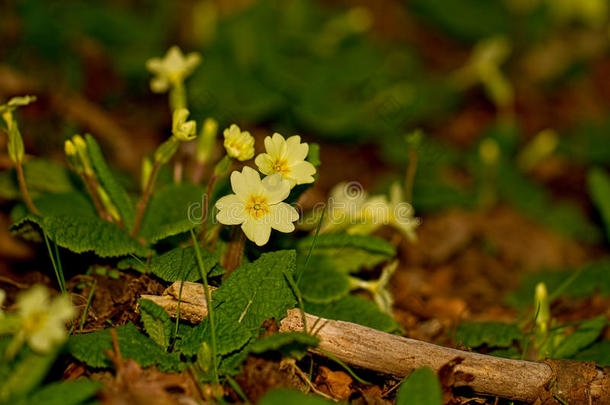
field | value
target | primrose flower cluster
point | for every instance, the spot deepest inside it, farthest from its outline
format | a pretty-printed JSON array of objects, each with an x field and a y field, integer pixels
[
  {"x": 257, "y": 205},
  {"x": 39, "y": 320},
  {"x": 352, "y": 210}
]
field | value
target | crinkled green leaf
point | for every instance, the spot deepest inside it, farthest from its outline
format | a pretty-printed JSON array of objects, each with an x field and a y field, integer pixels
[
  {"x": 70, "y": 221},
  {"x": 283, "y": 396},
  {"x": 321, "y": 283},
  {"x": 157, "y": 322},
  {"x": 90, "y": 349},
  {"x": 422, "y": 387},
  {"x": 252, "y": 293},
  {"x": 172, "y": 210},
  {"x": 599, "y": 188},
  {"x": 354, "y": 309},
  {"x": 65, "y": 393},
  {"x": 348, "y": 253},
  {"x": 493, "y": 334},
  {"x": 180, "y": 264},
  {"x": 597, "y": 352},
  {"x": 41, "y": 176},
  {"x": 113, "y": 188},
  {"x": 582, "y": 337}
]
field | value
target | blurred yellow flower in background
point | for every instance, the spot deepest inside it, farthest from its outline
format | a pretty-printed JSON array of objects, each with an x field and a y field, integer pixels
[{"x": 238, "y": 144}]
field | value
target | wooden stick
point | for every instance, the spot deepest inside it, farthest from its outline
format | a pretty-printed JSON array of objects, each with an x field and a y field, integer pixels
[{"x": 547, "y": 382}]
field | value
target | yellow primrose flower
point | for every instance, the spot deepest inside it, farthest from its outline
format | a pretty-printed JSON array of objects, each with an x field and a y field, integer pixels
[
  {"x": 43, "y": 320},
  {"x": 239, "y": 145},
  {"x": 172, "y": 69},
  {"x": 287, "y": 157},
  {"x": 401, "y": 213},
  {"x": 345, "y": 204},
  {"x": 182, "y": 129},
  {"x": 257, "y": 205}
]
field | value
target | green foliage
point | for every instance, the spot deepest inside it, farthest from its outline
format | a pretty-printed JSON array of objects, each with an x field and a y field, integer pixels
[
  {"x": 582, "y": 337},
  {"x": 321, "y": 283},
  {"x": 354, "y": 309},
  {"x": 22, "y": 375},
  {"x": 180, "y": 264},
  {"x": 533, "y": 200},
  {"x": 591, "y": 279},
  {"x": 168, "y": 211},
  {"x": 157, "y": 322},
  {"x": 64, "y": 393},
  {"x": 70, "y": 221},
  {"x": 113, "y": 188},
  {"x": 597, "y": 352},
  {"x": 347, "y": 253},
  {"x": 252, "y": 293},
  {"x": 284, "y": 396},
  {"x": 492, "y": 334},
  {"x": 292, "y": 344},
  {"x": 90, "y": 349},
  {"x": 41, "y": 176},
  {"x": 420, "y": 388},
  {"x": 599, "y": 189}
]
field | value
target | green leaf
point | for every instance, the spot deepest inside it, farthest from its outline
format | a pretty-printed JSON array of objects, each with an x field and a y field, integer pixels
[
  {"x": 41, "y": 176},
  {"x": 598, "y": 352},
  {"x": 599, "y": 188},
  {"x": 26, "y": 374},
  {"x": 70, "y": 221},
  {"x": 283, "y": 396},
  {"x": 586, "y": 334},
  {"x": 593, "y": 278},
  {"x": 493, "y": 334},
  {"x": 420, "y": 388},
  {"x": 354, "y": 309},
  {"x": 171, "y": 211},
  {"x": 292, "y": 344},
  {"x": 65, "y": 393},
  {"x": 535, "y": 201},
  {"x": 90, "y": 349},
  {"x": 321, "y": 283},
  {"x": 157, "y": 322},
  {"x": 181, "y": 264},
  {"x": 113, "y": 188},
  {"x": 252, "y": 293},
  {"x": 348, "y": 253}
]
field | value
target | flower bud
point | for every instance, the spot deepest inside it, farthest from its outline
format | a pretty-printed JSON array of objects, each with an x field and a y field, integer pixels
[
  {"x": 182, "y": 129},
  {"x": 239, "y": 145},
  {"x": 205, "y": 142}
]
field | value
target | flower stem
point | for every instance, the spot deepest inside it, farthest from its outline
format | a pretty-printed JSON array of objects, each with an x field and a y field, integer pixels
[
  {"x": 208, "y": 299},
  {"x": 91, "y": 185},
  {"x": 24, "y": 190},
  {"x": 141, "y": 206},
  {"x": 235, "y": 251},
  {"x": 410, "y": 175},
  {"x": 206, "y": 206}
]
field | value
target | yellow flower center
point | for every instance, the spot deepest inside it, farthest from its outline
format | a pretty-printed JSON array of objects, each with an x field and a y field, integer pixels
[
  {"x": 281, "y": 166},
  {"x": 257, "y": 206},
  {"x": 34, "y": 322}
]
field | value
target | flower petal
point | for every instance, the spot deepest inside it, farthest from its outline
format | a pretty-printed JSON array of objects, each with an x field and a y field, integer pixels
[
  {"x": 257, "y": 231},
  {"x": 282, "y": 217},
  {"x": 264, "y": 162},
  {"x": 302, "y": 172},
  {"x": 295, "y": 150},
  {"x": 276, "y": 146},
  {"x": 277, "y": 188},
  {"x": 231, "y": 210},
  {"x": 246, "y": 183}
]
